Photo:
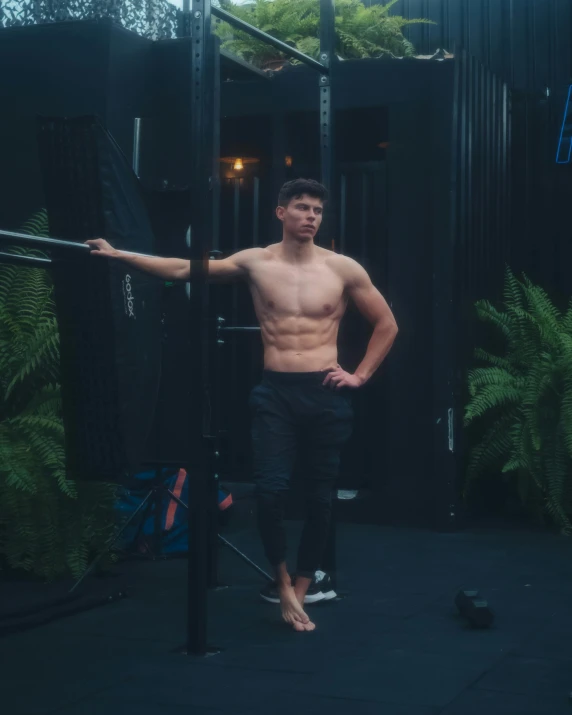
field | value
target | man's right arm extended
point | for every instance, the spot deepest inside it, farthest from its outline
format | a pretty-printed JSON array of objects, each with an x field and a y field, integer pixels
[{"x": 174, "y": 269}]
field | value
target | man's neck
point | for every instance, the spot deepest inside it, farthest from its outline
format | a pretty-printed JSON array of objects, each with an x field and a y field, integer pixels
[{"x": 294, "y": 251}]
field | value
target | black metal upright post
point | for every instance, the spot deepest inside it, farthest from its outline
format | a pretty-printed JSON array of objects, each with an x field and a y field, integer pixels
[
  {"x": 327, "y": 59},
  {"x": 196, "y": 24}
]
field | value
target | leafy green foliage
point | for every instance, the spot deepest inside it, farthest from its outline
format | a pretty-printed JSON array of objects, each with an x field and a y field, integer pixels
[
  {"x": 525, "y": 399},
  {"x": 360, "y": 31},
  {"x": 48, "y": 523}
]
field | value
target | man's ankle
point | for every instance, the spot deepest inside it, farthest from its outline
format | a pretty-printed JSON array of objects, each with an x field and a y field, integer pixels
[
  {"x": 302, "y": 584},
  {"x": 283, "y": 579}
]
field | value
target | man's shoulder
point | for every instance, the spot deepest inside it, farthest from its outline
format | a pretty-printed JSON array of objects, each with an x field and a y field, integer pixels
[
  {"x": 248, "y": 255},
  {"x": 343, "y": 265}
]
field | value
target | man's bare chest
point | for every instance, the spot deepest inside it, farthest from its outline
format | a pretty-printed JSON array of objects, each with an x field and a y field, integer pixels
[{"x": 309, "y": 292}]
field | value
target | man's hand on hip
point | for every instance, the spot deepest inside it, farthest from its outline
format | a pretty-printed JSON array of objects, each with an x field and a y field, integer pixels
[{"x": 338, "y": 378}]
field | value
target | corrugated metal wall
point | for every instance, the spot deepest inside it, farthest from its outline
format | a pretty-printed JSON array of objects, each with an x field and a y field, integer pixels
[
  {"x": 482, "y": 219},
  {"x": 481, "y": 180},
  {"x": 525, "y": 42}
]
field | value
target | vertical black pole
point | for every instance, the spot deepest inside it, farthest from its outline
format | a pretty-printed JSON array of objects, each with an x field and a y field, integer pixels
[
  {"x": 215, "y": 154},
  {"x": 327, "y": 58},
  {"x": 197, "y": 24},
  {"x": 279, "y": 148},
  {"x": 213, "y": 110},
  {"x": 214, "y": 430},
  {"x": 233, "y": 375}
]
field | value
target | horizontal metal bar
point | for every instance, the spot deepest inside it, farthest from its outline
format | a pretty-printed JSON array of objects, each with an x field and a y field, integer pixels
[
  {"x": 41, "y": 241},
  {"x": 29, "y": 261},
  {"x": 50, "y": 243},
  {"x": 238, "y": 329},
  {"x": 268, "y": 39}
]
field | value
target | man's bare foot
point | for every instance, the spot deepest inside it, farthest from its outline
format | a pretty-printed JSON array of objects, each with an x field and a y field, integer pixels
[
  {"x": 292, "y": 611},
  {"x": 301, "y": 589}
]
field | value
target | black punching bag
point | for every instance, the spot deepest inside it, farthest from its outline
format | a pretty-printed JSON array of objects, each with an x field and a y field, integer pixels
[{"x": 109, "y": 315}]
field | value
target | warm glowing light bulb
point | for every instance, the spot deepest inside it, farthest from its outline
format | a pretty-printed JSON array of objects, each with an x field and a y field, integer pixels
[{"x": 238, "y": 165}]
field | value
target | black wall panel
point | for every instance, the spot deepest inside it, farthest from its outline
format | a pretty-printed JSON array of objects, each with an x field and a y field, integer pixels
[{"x": 525, "y": 42}]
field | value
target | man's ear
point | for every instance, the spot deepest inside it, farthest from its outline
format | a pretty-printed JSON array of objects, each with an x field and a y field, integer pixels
[{"x": 280, "y": 212}]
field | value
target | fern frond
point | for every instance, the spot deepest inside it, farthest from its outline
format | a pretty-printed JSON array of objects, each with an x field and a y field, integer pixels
[
  {"x": 491, "y": 397},
  {"x": 502, "y": 363},
  {"x": 566, "y": 411},
  {"x": 487, "y": 376},
  {"x": 360, "y": 31},
  {"x": 488, "y": 313},
  {"x": 488, "y": 454},
  {"x": 37, "y": 224},
  {"x": 529, "y": 391},
  {"x": 48, "y": 522},
  {"x": 42, "y": 344},
  {"x": 557, "y": 467}
]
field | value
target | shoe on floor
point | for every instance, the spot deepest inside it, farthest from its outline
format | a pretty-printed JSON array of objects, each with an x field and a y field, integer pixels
[
  {"x": 324, "y": 583},
  {"x": 320, "y": 590}
]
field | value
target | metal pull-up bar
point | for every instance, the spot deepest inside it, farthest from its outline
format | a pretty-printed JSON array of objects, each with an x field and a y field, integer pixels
[
  {"x": 268, "y": 39},
  {"x": 42, "y": 241}
]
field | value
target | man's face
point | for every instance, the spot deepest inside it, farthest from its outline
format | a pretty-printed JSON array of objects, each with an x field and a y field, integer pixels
[{"x": 302, "y": 217}]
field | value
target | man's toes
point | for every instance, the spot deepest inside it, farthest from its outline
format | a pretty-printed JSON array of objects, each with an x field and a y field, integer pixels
[
  {"x": 299, "y": 626},
  {"x": 302, "y": 615},
  {"x": 310, "y": 626}
]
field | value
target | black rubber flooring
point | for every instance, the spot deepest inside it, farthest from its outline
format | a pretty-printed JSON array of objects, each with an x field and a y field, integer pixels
[{"x": 393, "y": 646}]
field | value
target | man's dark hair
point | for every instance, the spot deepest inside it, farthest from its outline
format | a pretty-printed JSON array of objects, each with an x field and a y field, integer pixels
[{"x": 297, "y": 188}]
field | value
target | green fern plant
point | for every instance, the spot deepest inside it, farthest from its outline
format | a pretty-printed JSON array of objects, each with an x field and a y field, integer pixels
[
  {"x": 48, "y": 522},
  {"x": 360, "y": 31},
  {"x": 524, "y": 397}
]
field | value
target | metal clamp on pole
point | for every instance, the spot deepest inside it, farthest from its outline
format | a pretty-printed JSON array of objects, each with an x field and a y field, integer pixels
[{"x": 219, "y": 328}]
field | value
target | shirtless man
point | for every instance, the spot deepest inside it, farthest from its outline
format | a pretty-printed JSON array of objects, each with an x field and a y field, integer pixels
[{"x": 300, "y": 292}]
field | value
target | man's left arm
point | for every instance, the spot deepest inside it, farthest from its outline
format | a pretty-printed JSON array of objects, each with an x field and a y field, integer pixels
[{"x": 373, "y": 306}]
